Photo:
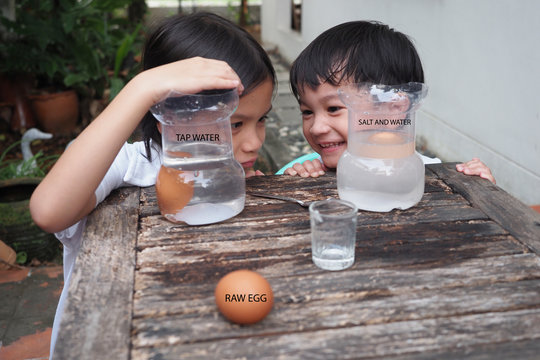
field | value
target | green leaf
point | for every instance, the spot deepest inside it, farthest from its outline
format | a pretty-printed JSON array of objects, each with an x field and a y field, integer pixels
[
  {"x": 22, "y": 257},
  {"x": 116, "y": 85},
  {"x": 72, "y": 79},
  {"x": 124, "y": 49},
  {"x": 68, "y": 21}
]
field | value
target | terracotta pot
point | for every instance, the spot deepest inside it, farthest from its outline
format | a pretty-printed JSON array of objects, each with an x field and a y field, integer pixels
[
  {"x": 17, "y": 229},
  {"x": 13, "y": 91},
  {"x": 8, "y": 255},
  {"x": 56, "y": 113}
]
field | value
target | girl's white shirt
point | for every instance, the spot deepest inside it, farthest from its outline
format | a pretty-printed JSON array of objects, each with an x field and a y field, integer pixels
[{"x": 130, "y": 168}]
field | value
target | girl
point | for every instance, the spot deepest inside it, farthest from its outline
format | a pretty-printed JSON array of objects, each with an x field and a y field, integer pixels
[
  {"x": 357, "y": 51},
  {"x": 187, "y": 54}
]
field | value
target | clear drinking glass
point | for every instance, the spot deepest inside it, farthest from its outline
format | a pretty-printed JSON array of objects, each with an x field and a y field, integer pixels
[
  {"x": 380, "y": 170},
  {"x": 333, "y": 233},
  {"x": 199, "y": 182}
]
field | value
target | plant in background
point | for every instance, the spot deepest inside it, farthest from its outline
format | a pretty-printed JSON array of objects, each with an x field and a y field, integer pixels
[
  {"x": 65, "y": 43},
  {"x": 120, "y": 74},
  {"x": 240, "y": 12},
  {"x": 37, "y": 166},
  {"x": 18, "y": 179}
]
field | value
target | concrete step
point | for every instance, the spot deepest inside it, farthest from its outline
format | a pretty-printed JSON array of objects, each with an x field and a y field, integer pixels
[{"x": 284, "y": 138}]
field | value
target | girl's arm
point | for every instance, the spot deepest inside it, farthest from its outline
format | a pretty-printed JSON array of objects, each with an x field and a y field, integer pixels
[{"x": 66, "y": 194}]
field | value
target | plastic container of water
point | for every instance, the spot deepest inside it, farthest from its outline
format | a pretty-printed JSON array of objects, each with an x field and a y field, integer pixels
[
  {"x": 380, "y": 170},
  {"x": 199, "y": 182}
]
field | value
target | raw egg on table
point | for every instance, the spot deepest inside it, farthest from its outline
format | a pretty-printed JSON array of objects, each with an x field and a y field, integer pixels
[
  {"x": 244, "y": 297},
  {"x": 174, "y": 190}
]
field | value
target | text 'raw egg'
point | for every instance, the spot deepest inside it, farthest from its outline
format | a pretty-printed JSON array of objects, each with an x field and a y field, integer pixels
[{"x": 244, "y": 297}]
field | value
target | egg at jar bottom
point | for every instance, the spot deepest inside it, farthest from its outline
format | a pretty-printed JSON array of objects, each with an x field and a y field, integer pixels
[{"x": 174, "y": 190}]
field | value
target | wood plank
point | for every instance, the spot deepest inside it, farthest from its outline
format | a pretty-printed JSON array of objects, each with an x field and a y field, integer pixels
[
  {"x": 314, "y": 310},
  {"x": 297, "y": 186},
  {"x": 163, "y": 265},
  {"x": 284, "y": 217},
  {"x": 517, "y": 218},
  {"x": 324, "y": 305},
  {"x": 436, "y": 191},
  {"x": 180, "y": 289},
  {"x": 522, "y": 350},
  {"x": 323, "y": 300},
  {"x": 97, "y": 317},
  {"x": 182, "y": 259},
  {"x": 155, "y": 232},
  {"x": 368, "y": 341}
]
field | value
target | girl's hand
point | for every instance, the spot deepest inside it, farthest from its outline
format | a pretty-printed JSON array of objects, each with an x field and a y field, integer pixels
[
  {"x": 188, "y": 76},
  {"x": 476, "y": 167},
  {"x": 308, "y": 168}
]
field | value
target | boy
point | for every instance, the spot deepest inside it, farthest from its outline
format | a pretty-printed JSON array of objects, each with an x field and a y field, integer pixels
[{"x": 353, "y": 52}]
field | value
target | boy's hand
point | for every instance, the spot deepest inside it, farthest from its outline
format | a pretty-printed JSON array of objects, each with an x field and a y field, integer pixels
[
  {"x": 476, "y": 167},
  {"x": 250, "y": 173},
  {"x": 309, "y": 168}
]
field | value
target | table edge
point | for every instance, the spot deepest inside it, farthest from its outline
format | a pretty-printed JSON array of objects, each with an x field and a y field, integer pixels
[
  {"x": 514, "y": 216},
  {"x": 109, "y": 282}
]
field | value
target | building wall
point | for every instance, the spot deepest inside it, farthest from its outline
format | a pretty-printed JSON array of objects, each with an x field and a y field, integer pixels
[{"x": 481, "y": 59}]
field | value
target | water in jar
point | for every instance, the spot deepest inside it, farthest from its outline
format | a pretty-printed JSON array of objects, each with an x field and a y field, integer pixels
[
  {"x": 200, "y": 183},
  {"x": 381, "y": 184}
]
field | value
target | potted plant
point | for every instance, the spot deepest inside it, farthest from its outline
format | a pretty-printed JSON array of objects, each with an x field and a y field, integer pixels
[
  {"x": 18, "y": 179},
  {"x": 63, "y": 46}
]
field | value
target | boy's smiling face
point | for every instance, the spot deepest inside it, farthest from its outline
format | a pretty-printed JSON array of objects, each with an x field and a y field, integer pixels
[{"x": 325, "y": 122}]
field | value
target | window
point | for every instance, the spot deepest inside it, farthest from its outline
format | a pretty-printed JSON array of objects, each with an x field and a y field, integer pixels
[{"x": 296, "y": 15}]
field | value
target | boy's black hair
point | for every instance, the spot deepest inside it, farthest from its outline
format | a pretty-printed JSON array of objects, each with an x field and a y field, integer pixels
[
  {"x": 357, "y": 51},
  {"x": 210, "y": 36}
]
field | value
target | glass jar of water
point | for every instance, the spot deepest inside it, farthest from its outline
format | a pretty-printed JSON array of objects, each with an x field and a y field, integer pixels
[
  {"x": 380, "y": 170},
  {"x": 199, "y": 182}
]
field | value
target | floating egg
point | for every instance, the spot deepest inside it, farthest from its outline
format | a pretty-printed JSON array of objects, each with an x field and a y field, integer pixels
[{"x": 385, "y": 138}]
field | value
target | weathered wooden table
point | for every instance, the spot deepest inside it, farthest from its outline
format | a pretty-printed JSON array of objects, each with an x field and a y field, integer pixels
[{"x": 457, "y": 276}]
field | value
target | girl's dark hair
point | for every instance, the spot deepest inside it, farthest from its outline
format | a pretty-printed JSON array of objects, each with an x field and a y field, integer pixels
[
  {"x": 210, "y": 36},
  {"x": 357, "y": 51}
]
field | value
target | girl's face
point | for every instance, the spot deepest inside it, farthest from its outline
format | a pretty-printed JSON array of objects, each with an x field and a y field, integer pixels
[
  {"x": 248, "y": 123},
  {"x": 325, "y": 122}
]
